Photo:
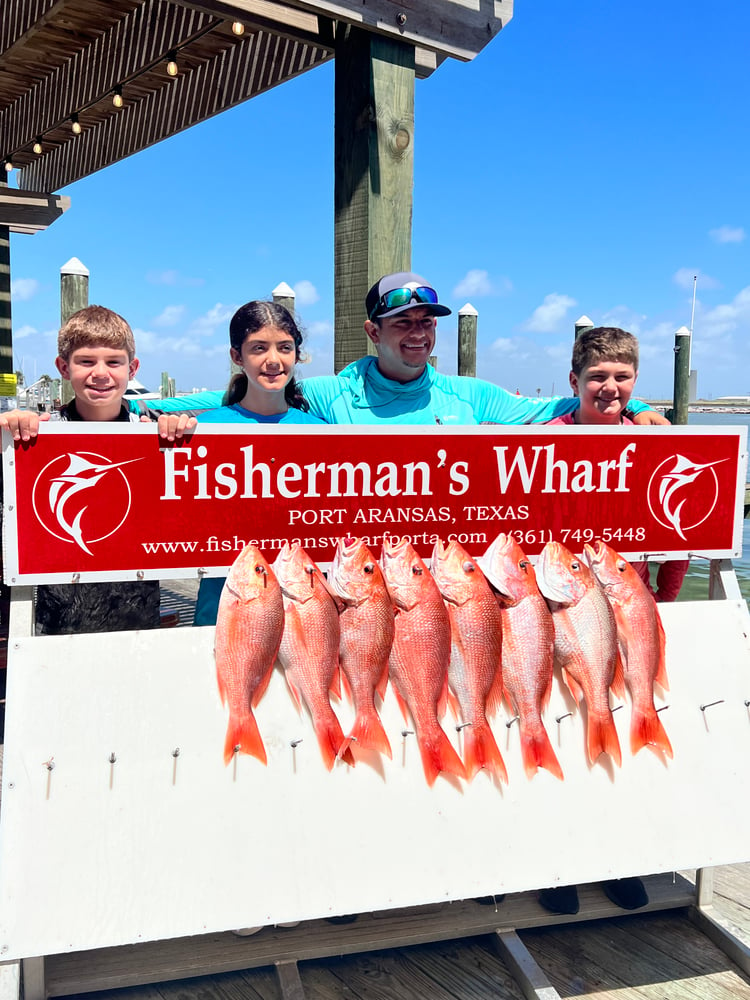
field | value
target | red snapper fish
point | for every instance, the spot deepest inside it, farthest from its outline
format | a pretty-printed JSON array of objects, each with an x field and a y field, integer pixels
[
  {"x": 309, "y": 650},
  {"x": 475, "y": 671},
  {"x": 249, "y": 624},
  {"x": 367, "y": 630},
  {"x": 418, "y": 663},
  {"x": 585, "y": 641},
  {"x": 640, "y": 635},
  {"x": 528, "y": 648}
]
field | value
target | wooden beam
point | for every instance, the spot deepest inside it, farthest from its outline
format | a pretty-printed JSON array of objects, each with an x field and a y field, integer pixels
[
  {"x": 452, "y": 27},
  {"x": 30, "y": 210},
  {"x": 22, "y": 19},
  {"x": 374, "y": 175},
  {"x": 117, "y": 55},
  {"x": 6, "y": 324},
  {"x": 261, "y": 14},
  {"x": 254, "y": 64},
  {"x": 524, "y": 969}
]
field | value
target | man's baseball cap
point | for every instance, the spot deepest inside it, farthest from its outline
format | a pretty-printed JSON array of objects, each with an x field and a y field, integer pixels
[{"x": 395, "y": 293}]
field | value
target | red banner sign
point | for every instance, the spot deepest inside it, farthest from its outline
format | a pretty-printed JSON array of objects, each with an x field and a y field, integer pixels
[{"x": 93, "y": 502}]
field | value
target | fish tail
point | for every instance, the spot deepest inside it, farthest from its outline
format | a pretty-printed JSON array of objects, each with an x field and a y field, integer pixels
[
  {"x": 243, "y": 732},
  {"x": 481, "y": 751},
  {"x": 646, "y": 729},
  {"x": 536, "y": 752},
  {"x": 602, "y": 738},
  {"x": 368, "y": 732},
  {"x": 331, "y": 738},
  {"x": 438, "y": 755}
]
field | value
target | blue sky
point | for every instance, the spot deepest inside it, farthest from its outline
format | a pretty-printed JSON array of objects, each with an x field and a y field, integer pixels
[{"x": 590, "y": 160}]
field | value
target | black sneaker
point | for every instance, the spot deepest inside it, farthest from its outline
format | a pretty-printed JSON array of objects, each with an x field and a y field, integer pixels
[
  {"x": 627, "y": 893},
  {"x": 561, "y": 899}
]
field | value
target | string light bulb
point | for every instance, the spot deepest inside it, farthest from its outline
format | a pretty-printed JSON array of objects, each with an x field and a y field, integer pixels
[
  {"x": 37, "y": 147},
  {"x": 8, "y": 165},
  {"x": 117, "y": 96},
  {"x": 172, "y": 67},
  {"x": 75, "y": 125},
  {"x": 238, "y": 27}
]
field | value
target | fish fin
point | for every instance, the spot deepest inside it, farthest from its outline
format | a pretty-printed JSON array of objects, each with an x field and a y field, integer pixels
[
  {"x": 261, "y": 688},
  {"x": 438, "y": 755},
  {"x": 382, "y": 684},
  {"x": 346, "y": 687},
  {"x": 294, "y": 692},
  {"x": 646, "y": 729},
  {"x": 536, "y": 752},
  {"x": 402, "y": 705},
  {"x": 573, "y": 686},
  {"x": 368, "y": 733},
  {"x": 222, "y": 685},
  {"x": 335, "y": 685},
  {"x": 330, "y": 738},
  {"x": 454, "y": 704},
  {"x": 442, "y": 703},
  {"x": 601, "y": 737},
  {"x": 661, "y": 670},
  {"x": 481, "y": 751},
  {"x": 243, "y": 732},
  {"x": 617, "y": 687},
  {"x": 494, "y": 697}
]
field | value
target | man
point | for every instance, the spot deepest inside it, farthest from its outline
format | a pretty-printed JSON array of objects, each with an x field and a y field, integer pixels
[{"x": 399, "y": 386}]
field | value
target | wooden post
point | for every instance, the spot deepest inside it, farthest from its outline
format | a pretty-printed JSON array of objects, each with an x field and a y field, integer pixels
[
  {"x": 285, "y": 296},
  {"x": 74, "y": 295},
  {"x": 165, "y": 385},
  {"x": 467, "y": 340},
  {"x": 374, "y": 175},
  {"x": 6, "y": 327},
  {"x": 583, "y": 324},
  {"x": 681, "y": 375}
]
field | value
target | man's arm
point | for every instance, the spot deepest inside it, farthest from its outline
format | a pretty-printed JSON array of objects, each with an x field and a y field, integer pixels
[
  {"x": 174, "y": 404},
  {"x": 495, "y": 405}
]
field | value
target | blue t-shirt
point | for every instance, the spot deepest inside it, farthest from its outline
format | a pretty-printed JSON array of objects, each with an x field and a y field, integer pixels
[
  {"x": 361, "y": 394},
  {"x": 209, "y": 591}
]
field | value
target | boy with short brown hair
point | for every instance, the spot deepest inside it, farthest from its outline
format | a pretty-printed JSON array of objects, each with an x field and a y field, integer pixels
[{"x": 96, "y": 353}]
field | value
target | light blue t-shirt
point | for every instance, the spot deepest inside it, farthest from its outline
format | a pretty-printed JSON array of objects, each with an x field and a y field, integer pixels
[
  {"x": 209, "y": 591},
  {"x": 361, "y": 394},
  {"x": 236, "y": 414}
]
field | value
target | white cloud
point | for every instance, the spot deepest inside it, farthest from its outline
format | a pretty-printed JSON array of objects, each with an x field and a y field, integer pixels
[
  {"x": 217, "y": 318},
  {"x": 306, "y": 293},
  {"x": 503, "y": 345},
  {"x": 170, "y": 316},
  {"x": 23, "y": 289},
  {"x": 476, "y": 283},
  {"x": 624, "y": 317},
  {"x": 726, "y": 317},
  {"x": 547, "y": 317},
  {"x": 24, "y": 331},
  {"x": 684, "y": 278},
  {"x": 727, "y": 234}
]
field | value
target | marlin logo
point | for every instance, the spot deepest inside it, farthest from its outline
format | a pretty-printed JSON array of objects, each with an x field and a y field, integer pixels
[
  {"x": 81, "y": 474},
  {"x": 674, "y": 490}
]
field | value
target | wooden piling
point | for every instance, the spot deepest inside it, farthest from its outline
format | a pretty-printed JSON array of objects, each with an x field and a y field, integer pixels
[
  {"x": 374, "y": 174},
  {"x": 6, "y": 326},
  {"x": 467, "y": 340},
  {"x": 583, "y": 323},
  {"x": 681, "y": 375},
  {"x": 74, "y": 295}
]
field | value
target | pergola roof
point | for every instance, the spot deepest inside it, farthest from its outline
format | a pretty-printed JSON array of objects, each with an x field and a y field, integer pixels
[{"x": 60, "y": 58}]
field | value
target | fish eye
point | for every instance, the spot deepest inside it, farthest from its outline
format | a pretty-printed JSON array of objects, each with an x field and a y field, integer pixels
[
  {"x": 369, "y": 568},
  {"x": 523, "y": 564},
  {"x": 468, "y": 567},
  {"x": 575, "y": 564},
  {"x": 621, "y": 565},
  {"x": 416, "y": 570},
  {"x": 259, "y": 569}
]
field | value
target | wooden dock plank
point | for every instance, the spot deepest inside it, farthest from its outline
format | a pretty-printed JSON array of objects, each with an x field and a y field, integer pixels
[{"x": 626, "y": 955}]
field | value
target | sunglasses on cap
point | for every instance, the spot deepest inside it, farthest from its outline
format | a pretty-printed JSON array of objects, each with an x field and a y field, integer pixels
[{"x": 424, "y": 295}]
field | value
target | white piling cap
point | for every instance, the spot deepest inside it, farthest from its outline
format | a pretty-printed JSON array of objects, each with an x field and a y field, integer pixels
[
  {"x": 583, "y": 321},
  {"x": 284, "y": 291},
  {"x": 467, "y": 310},
  {"x": 682, "y": 332},
  {"x": 74, "y": 266}
]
